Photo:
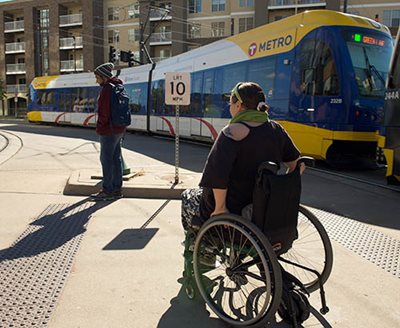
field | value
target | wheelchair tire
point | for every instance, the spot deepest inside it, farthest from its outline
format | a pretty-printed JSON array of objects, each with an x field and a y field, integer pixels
[
  {"x": 244, "y": 288},
  {"x": 311, "y": 249}
]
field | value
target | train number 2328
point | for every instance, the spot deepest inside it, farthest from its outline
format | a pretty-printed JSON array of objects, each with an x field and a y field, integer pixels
[{"x": 336, "y": 100}]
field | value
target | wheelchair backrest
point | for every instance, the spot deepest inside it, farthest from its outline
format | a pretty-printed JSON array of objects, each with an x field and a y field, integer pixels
[{"x": 276, "y": 200}]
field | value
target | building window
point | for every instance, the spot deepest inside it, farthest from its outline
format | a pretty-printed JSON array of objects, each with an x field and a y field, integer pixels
[
  {"x": 113, "y": 36},
  {"x": 245, "y": 24},
  {"x": 113, "y": 14},
  {"x": 218, "y": 29},
  {"x": 391, "y": 18},
  {"x": 246, "y": 3},
  {"x": 134, "y": 35},
  {"x": 194, "y": 30},
  {"x": 194, "y": 6},
  {"x": 218, "y": 5},
  {"x": 165, "y": 53},
  {"x": 133, "y": 11}
]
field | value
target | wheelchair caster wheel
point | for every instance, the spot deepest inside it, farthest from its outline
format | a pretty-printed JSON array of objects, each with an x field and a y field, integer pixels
[
  {"x": 324, "y": 310},
  {"x": 190, "y": 292}
]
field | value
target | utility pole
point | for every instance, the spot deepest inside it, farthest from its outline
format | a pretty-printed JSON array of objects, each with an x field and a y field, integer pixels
[
  {"x": 345, "y": 6},
  {"x": 141, "y": 43}
]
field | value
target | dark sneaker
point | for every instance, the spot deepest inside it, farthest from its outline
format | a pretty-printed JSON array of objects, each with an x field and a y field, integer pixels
[
  {"x": 103, "y": 196},
  {"x": 117, "y": 194}
]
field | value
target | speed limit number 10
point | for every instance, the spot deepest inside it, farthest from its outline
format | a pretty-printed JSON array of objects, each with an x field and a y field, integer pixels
[{"x": 177, "y": 88}]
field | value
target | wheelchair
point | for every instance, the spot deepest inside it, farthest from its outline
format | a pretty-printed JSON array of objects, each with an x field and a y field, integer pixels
[{"x": 235, "y": 264}]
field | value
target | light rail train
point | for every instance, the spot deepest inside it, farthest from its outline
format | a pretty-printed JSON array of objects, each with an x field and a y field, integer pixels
[
  {"x": 390, "y": 132},
  {"x": 323, "y": 73}
]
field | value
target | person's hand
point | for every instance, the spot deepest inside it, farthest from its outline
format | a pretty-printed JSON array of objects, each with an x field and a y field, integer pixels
[{"x": 302, "y": 168}]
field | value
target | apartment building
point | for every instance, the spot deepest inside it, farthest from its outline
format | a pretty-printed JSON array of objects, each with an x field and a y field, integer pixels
[{"x": 47, "y": 37}]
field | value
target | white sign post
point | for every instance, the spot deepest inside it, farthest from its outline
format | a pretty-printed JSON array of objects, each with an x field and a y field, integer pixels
[{"x": 177, "y": 92}]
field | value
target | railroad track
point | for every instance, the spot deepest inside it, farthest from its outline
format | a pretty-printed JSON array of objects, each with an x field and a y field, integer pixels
[
  {"x": 363, "y": 177},
  {"x": 10, "y": 145}
]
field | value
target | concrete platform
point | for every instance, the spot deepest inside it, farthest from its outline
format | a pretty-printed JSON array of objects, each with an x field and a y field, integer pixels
[{"x": 151, "y": 183}]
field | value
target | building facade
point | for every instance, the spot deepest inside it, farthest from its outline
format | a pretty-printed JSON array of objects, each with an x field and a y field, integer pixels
[{"x": 47, "y": 37}]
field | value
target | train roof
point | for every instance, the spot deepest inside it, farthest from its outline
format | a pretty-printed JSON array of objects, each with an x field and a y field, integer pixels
[{"x": 277, "y": 37}]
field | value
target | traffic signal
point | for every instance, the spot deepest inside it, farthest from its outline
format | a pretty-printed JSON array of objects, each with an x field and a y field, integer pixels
[
  {"x": 131, "y": 60},
  {"x": 112, "y": 55}
]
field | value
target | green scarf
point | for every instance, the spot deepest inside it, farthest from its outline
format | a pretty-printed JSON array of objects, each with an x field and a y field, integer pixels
[{"x": 250, "y": 115}]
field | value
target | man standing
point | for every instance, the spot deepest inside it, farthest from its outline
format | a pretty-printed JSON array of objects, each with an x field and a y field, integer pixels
[{"x": 110, "y": 136}]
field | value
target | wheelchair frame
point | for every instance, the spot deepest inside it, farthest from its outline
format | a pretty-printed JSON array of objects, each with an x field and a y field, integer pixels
[{"x": 242, "y": 282}]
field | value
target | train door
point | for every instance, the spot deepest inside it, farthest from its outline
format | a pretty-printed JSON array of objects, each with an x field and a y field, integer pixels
[
  {"x": 196, "y": 104},
  {"x": 316, "y": 102},
  {"x": 210, "y": 110},
  {"x": 319, "y": 102},
  {"x": 391, "y": 122},
  {"x": 160, "y": 120}
]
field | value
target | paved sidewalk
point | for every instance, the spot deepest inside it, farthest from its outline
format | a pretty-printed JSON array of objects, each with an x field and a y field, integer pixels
[{"x": 68, "y": 262}]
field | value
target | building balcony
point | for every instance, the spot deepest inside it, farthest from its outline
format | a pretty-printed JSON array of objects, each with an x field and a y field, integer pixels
[
  {"x": 160, "y": 14},
  {"x": 15, "y": 48},
  {"x": 15, "y": 26},
  {"x": 15, "y": 69},
  {"x": 71, "y": 43},
  {"x": 16, "y": 88},
  {"x": 70, "y": 20},
  {"x": 285, "y": 4},
  {"x": 71, "y": 66},
  {"x": 161, "y": 38}
]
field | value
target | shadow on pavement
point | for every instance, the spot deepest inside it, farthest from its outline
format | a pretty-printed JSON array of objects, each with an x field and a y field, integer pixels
[
  {"x": 184, "y": 313},
  {"x": 52, "y": 229}
]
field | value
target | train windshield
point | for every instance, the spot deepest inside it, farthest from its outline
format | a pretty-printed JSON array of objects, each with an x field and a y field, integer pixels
[{"x": 370, "y": 54}]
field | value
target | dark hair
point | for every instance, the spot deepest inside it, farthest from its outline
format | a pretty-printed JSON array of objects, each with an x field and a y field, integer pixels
[{"x": 252, "y": 95}]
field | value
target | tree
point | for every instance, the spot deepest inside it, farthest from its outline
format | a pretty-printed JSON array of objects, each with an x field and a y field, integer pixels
[{"x": 2, "y": 95}]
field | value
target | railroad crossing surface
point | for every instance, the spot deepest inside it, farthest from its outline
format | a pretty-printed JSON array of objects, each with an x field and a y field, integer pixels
[{"x": 66, "y": 261}]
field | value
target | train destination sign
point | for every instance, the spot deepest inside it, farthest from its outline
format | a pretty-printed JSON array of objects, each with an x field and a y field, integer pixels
[
  {"x": 367, "y": 39},
  {"x": 177, "y": 88}
]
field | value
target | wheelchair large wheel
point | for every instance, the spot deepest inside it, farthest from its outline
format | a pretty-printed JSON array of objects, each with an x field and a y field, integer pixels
[
  {"x": 311, "y": 249},
  {"x": 237, "y": 272}
]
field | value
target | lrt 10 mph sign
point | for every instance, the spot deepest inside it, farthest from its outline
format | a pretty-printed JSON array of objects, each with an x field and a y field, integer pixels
[{"x": 177, "y": 88}]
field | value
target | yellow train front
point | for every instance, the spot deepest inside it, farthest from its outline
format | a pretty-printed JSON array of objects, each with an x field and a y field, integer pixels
[{"x": 323, "y": 73}]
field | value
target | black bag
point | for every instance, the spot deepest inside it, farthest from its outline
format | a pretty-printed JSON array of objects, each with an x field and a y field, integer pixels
[
  {"x": 276, "y": 201},
  {"x": 295, "y": 307},
  {"x": 120, "y": 111}
]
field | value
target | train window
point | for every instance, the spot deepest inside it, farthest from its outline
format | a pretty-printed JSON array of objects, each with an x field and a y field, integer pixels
[
  {"x": 319, "y": 76},
  {"x": 47, "y": 98},
  {"x": 233, "y": 74},
  {"x": 157, "y": 97},
  {"x": 263, "y": 73},
  {"x": 137, "y": 97},
  {"x": 370, "y": 54}
]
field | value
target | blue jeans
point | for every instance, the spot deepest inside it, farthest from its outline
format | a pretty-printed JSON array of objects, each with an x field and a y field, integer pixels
[{"x": 111, "y": 161}]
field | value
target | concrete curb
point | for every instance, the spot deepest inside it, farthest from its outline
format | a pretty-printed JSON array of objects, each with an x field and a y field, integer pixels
[{"x": 141, "y": 184}]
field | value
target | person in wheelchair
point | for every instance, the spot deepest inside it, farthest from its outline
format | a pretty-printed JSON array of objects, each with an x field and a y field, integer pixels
[{"x": 249, "y": 139}]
